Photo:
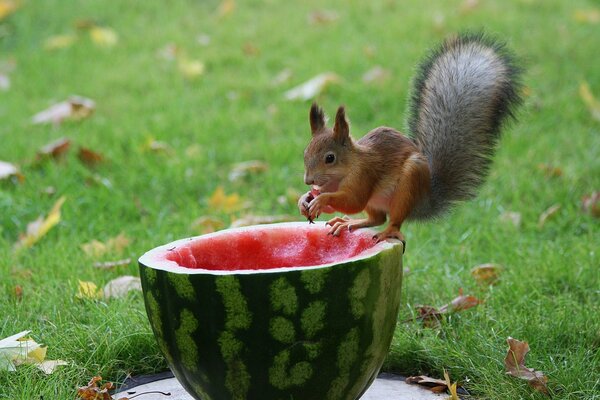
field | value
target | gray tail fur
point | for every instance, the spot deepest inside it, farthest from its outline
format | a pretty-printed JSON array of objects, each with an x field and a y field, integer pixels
[{"x": 464, "y": 92}]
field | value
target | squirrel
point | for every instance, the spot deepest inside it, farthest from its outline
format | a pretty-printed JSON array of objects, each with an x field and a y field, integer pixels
[{"x": 463, "y": 93}]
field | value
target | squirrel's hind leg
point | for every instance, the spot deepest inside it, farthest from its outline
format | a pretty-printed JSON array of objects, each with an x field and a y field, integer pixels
[{"x": 375, "y": 218}]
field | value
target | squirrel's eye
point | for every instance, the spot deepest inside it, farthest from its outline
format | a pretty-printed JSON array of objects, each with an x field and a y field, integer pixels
[{"x": 329, "y": 158}]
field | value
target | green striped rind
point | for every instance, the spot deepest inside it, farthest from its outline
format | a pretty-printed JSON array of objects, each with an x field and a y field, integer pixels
[{"x": 303, "y": 334}]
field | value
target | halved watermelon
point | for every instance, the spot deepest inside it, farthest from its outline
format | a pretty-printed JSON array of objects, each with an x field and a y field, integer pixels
[{"x": 282, "y": 311}]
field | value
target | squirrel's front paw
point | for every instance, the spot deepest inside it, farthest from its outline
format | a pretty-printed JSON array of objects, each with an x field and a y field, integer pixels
[
  {"x": 303, "y": 203},
  {"x": 317, "y": 206}
]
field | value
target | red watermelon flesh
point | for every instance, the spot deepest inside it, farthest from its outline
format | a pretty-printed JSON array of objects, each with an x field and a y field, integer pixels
[{"x": 283, "y": 247}]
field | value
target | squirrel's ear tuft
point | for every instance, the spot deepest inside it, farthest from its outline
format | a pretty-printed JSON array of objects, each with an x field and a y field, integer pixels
[
  {"x": 317, "y": 119},
  {"x": 341, "y": 129}
]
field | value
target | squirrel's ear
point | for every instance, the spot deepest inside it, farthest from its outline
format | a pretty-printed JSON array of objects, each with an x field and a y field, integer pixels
[
  {"x": 317, "y": 119},
  {"x": 341, "y": 130}
]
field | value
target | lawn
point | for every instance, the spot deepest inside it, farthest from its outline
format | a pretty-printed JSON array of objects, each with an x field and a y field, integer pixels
[{"x": 170, "y": 133}]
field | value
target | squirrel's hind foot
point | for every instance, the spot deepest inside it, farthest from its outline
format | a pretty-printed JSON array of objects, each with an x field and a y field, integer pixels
[{"x": 391, "y": 232}]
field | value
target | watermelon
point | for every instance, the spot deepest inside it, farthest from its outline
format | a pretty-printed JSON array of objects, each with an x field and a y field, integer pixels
[{"x": 281, "y": 311}]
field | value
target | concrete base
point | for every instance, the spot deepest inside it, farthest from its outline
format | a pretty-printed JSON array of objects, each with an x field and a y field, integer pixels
[{"x": 385, "y": 387}]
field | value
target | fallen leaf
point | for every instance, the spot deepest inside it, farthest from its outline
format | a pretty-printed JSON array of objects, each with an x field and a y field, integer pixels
[
  {"x": 7, "y": 7},
  {"x": 7, "y": 170},
  {"x": 590, "y": 101},
  {"x": 56, "y": 149},
  {"x": 74, "y": 108},
  {"x": 514, "y": 362},
  {"x": 17, "y": 350},
  {"x": 207, "y": 224},
  {"x": 590, "y": 204},
  {"x": 88, "y": 290},
  {"x": 425, "y": 380},
  {"x": 551, "y": 211},
  {"x": 513, "y": 217},
  {"x": 89, "y": 157},
  {"x": 18, "y": 291},
  {"x": 226, "y": 8},
  {"x": 282, "y": 77},
  {"x": 94, "y": 392},
  {"x": 246, "y": 168},
  {"x": 156, "y": 146},
  {"x": 219, "y": 201},
  {"x": 112, "y": 264},
  {"x": 119, "y": 287},
  {"x": 103, "y": 36},
  {"x": 468, "y": 6},
  {"x": 377, "y": 74},
  {"x": 451, "y": 387},
  {"x": 486, "y": 274},
  {"x": 429, "y": 316},
  {"x": 322, "y": 17},
  {"x": 590, "y": 16},
  {"x": 261, "y": 219},
  {"x": 312, "y": 87},
  {"x": 190, "y": 69},
  {"x": 250, "y": 49},
  {"x": 551, "y": 171},
  {"x": 38, "y": 228},
  {"x": 114, "y": 245},
  {"x": 460, "y": 303},
  {"x": 59, "y": 42}
]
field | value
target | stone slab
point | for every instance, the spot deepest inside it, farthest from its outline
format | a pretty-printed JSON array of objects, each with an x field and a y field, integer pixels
[{"x": 385, "y": 387}]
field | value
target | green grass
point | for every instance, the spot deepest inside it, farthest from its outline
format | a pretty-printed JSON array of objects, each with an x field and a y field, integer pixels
[{"x": 549, "y": 294}]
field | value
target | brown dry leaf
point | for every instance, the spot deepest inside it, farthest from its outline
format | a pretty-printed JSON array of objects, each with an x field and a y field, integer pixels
[
  {"x": 486, "y": 274},
  {"x": 248, "y": 220},
  {"x": 514, "y": 362},
  {"x": 322, "y": 17},
  {"x": 427, "y": 381},
  {"x": 468, "y": 6},
  {"x": 590, "y": 101},
  {"x": 207, "y": 224},
  {"x": 75, "y": 108},
  {"x": 7, "y": 7},
  {"x": 88, "y": 290},
  {"x": 59, "y": 42},
  {"x": 56, "y": 149},
  {"x": 219, "y": 201},
  {"x": 226, "y": 8},
  {"x": 312, "y": 87},
  {"x": 551, "y": 171},
  {"x": 89, "y": 157},
  {"x": 590, "y": 204},
  {"x": 18, "y": 292},
  {"x": 377, "y": 74},
  {"x": 112, "y": 264},
  {"x": 460, "y": 303},
  {"x": 590, "y": 16},
  {"x": 114, "y": 245},
  {"x": 551, "y": 211},
  {"x": 119, "y": 287},
  {"x": 103, "y": 36},
  {"x": 94, "y": 392},
  {"x": 513, "y": 217},
  {"x": 244, "y": 169},
  {"x": 38, "y": 228},
  {"x": 7, "y": 170}
]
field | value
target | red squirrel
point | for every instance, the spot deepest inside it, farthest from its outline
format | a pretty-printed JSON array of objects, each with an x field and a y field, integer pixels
[{"x": 463, "y": 93}]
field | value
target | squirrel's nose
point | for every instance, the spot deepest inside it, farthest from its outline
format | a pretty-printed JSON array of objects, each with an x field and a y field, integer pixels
[{"x": 309, "y": 180}]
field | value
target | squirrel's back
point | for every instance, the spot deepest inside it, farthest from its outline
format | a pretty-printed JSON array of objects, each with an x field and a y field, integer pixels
[{"x": 463, "y": 93}]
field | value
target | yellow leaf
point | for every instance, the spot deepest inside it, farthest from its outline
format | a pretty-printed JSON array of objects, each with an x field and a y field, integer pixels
[
  {"x": 190, "y": 69},
  {"x": 226, "y": 7},
  {"x": 220, "y": 201},
  {"x": 206, "y": 224},
  {"x": 59, "y": 42},
  {"x": 7, "y": 7},
  {"x": 451, "y": 387},
  {"x": 116, "y": 245},
  {"x": 88, "y": 290},
  {"x": 104, "y": 37},
  {"x": 38, "y": 228},
  {"x": 590, "y": 101},
  {"x": 591, "y": 16}
]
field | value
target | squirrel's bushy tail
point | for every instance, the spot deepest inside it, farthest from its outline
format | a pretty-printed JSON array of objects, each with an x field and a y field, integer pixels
[{"x": 463, "y": 93}]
